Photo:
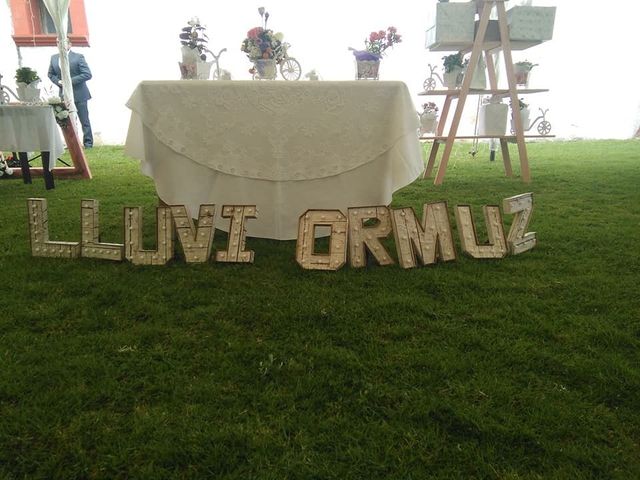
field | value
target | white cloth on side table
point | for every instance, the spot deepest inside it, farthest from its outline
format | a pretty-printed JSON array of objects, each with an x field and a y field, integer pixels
[
  {"x": 283, "y": 146},
  {"x": 30, "y": 128}
]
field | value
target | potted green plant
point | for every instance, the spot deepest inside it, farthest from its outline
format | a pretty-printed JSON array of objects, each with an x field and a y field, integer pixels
[
  {"x": 453, "y": 70},
  {"x": 521, "y": 71},
  {"x": 194, "y": 39},
  {"x": 27, "y": 81}
]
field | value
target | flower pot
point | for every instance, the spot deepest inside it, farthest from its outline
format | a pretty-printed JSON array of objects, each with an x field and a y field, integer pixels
[
  {"x": 188, "y": 71},
  {"x": 28, "y": 92},
  {"x": 479, "y": 78},
  {"x": 203, "y": 70},
  {"x": 522, "y": 75},
  {"x": 428, "y": 122},
  {"x": 265, "y": 69},
  {"x": 524, "y": 117},
  {"x": 367, "y": 69},
  {"x": 453, "y": 79},
  {"x": 492, "y": 119},
  {"x": 190, "y": 55}
]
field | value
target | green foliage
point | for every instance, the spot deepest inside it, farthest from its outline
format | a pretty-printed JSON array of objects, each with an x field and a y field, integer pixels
[
  {"x": 526, "y": 65},
  {"x": 521, "y": 368},
  {"x": 452, "y": 61},
  {"x": 26, "y": 75}
]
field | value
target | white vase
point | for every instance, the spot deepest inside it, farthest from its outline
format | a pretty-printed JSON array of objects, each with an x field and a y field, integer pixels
[
  {"x": 453, "y": 79},
  {"x": 524, "y": 117},
  {"x": 203, "y": 70},
  {"x": 492, "y": 119},
  {"x": 28, "y": 92},
  {"x": 428, "y": 122},
  {"x": 367, "y": 69}
]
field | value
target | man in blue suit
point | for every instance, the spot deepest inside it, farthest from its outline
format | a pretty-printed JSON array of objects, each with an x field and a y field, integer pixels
[{"x": 80, "y": 73}]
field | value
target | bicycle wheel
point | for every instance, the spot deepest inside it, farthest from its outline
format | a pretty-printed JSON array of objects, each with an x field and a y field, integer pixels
[
  {"x": 290, "y": 69},
  {"x": 429, "y": 84},
  {"x": 544, "y": 128}
]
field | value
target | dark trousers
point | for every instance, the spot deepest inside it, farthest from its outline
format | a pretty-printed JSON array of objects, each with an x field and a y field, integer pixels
[{"x": 83, "y": 116}]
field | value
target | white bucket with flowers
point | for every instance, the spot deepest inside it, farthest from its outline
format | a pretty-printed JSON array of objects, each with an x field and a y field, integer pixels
[{"x": 368, "y": 60}]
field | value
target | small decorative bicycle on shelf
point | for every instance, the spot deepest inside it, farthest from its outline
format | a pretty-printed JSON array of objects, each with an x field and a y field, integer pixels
[
  {"x": 430, "y": 83},
  {"x": 289, "y": 67},
  {"x": 5, "y": 92},
  {"x": 217, "y": 73},
  {"x": 544, "y": 127}
]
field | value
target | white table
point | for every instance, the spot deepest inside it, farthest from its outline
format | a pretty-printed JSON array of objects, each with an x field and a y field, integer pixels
[
  {"x": 283, "y": 146},
  {"x": 31, "y": 128}
]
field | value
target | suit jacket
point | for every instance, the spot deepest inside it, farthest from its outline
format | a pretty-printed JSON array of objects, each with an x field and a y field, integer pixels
[{"x": 80, "y": 73}]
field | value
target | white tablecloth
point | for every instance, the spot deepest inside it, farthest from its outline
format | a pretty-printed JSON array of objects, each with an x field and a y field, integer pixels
[
  {"x": 283, "y": 146},
  {"x": 30, "y": 128}
]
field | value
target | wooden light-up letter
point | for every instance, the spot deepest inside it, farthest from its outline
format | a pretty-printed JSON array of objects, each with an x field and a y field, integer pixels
[
  {"x": 196, "y": 241},
  {"x": 305, "y": 251},
  {"x": 91, "y": 246},
  {"x": 497, "y": 247},
  {"x": 519, "y": 240},
  {"x": 361, "y": 236},
  {"x": 39, "y": 233},
  {"x": 429, "y": 241},
  {"x": 235, "y": 252},
  {"x": 133, "y": 237}
]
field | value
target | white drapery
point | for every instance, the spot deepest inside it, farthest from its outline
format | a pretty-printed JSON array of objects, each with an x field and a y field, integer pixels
[{"x": 59, "y": 11}]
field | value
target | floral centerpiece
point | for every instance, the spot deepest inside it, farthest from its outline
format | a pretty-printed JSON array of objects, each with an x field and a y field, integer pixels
[
  {"x": 429, "y": 117},
  {"x": 368, "y": 60},
  {"x": 263, "y": 47},
  {"x": 60, "y": 111}
]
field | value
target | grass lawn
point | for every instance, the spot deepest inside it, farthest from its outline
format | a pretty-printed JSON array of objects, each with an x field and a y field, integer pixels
[{"x": 526, "y": 367}]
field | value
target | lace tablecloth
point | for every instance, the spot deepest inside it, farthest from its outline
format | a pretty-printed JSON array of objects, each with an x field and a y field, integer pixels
[
  {"x": 283, "y": 146},
  {"x": 30, "y": 128}
]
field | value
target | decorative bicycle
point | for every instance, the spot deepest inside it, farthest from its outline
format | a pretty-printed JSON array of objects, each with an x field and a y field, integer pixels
[
  {"x": 289, "y": 67},
  {"x": 216, "y": 75},
  {"x": 4, "y": 93},
  {"x": 430, "y": 83},
  {"x": 544, "y": 127}
]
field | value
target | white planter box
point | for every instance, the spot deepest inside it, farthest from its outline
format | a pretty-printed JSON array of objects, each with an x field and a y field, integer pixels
[
  {"x": 531, "y": 23},
  {"x": 493, "y": 119},
  {"x": 452, "y": 27}
]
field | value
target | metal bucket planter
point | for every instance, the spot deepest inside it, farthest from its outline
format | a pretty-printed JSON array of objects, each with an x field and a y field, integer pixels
[{"x": 265, "y": 69}]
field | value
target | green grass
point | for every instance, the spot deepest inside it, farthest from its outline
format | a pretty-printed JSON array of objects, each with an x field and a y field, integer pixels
[{"x": 526, "y": 367}]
